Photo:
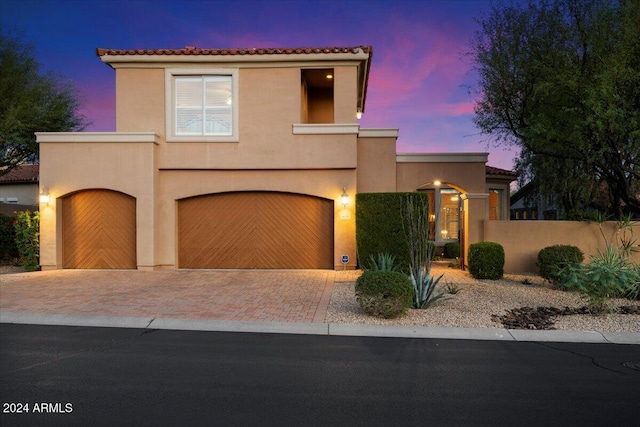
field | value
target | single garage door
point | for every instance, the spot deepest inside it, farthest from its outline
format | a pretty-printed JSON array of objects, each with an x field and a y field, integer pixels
[
  {"x": 255, "y": 230},
  {"x": 98, "y": 230}
]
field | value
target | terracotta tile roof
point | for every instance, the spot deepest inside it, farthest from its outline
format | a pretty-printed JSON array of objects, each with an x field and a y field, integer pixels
[
  {"x": 196, "y": 51},
  {"x": 192, "y": 50},
  {"x": 21, "y": 174},
  {"x": 490, "y": 170}
]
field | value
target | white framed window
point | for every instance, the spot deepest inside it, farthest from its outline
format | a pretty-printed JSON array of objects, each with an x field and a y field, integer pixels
[{"x": 202, "y": 105}]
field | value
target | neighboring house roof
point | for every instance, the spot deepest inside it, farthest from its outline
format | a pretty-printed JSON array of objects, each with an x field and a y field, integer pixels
[
  {"x": 524, "y": 191},
  {"x": 196, "y": 54},
  {"x": 21, "y": 174},
  {"x": 501, "y": 173}
]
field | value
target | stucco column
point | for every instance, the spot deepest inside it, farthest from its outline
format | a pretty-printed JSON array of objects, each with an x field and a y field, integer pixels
[{"x": 475, "y": 212}]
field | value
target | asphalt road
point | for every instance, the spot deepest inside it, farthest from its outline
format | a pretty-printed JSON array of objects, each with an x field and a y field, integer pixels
[{"x": 120, "y": 377}]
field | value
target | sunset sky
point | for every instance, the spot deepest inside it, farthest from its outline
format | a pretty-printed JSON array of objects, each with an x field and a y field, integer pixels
[{"x": 420, "y": 77}]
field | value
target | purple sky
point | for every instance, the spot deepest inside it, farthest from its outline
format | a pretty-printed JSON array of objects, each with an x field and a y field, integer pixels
[{"x": 419, "y": 77}]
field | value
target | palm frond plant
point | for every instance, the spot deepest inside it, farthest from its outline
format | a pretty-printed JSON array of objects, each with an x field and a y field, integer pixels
[{"x": 416, "y": 228}]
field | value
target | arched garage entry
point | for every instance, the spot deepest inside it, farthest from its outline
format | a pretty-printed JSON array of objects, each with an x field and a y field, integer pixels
[
  {"x": 255, "y": 230},
  {"x": 98, "y": 230}
]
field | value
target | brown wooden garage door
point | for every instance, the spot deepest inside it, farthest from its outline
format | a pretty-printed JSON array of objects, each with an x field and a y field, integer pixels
[
  {"x": 255, "y": 230},
  {"x": 99, "y": 230}
]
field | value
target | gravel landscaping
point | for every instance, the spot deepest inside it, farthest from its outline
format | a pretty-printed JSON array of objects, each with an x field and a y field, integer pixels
[{"x": 480, "y": 303}]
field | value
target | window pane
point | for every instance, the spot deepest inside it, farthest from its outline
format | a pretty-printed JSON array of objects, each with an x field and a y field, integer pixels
[
  {"x": 218, "y": 121},
  {"x": 189, "y": 121},
  {"x": 495, "y": 196},
  {"x": 217, "y": 91},
  {"x": 449, "y": 214},
  {"x": 189, "y": 92}
]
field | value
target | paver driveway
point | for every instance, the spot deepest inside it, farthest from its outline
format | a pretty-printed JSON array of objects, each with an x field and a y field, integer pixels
[{"x": 248, "y": 295}]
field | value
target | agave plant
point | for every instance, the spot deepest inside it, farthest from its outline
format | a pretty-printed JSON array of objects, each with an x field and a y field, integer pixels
[
  {"x": 385, "y": 262},
  {"x": 424, "y": 285},
  {"x": 416, "y": 229}
]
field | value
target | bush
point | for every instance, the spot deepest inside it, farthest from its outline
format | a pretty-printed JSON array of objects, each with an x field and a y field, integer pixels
[
  {"x": 452, "y": 250},
  {"x": 552, "y": 258},
  {"x": 608, "y": 275},
  {"x": 385, "y": 294},
  {"x": 27, "y": 228},
  {"x": 8, "y": 248},
  {"x": 379, "y": 226},
  {"x": 486, "y": 260}
]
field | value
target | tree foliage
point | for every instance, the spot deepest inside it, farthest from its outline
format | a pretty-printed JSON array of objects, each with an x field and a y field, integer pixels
[
  {"x": 30, "y": 102},
  {"x": 561, "y": 80}
]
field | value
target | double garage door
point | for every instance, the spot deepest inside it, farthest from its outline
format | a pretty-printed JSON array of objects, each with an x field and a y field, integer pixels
[{"x": 255, "y": 230}]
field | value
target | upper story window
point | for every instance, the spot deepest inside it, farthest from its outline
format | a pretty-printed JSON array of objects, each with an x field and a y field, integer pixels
[
  {"x": 202, "y": 105},
  {"x": 317, "y": 95}
]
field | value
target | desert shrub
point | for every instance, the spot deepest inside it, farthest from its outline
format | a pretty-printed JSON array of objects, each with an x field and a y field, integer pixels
[
  {"x": 8, "y": 248},
  {"x": 385, "y": 294},
  {"x": 379, "y": 226},
  {"x": 607, "y": 275},
  {"x": 384, "y": 262},
  {"x": 452, "y": 250},
  {"x": 27, "y": 228},
  {"x": 486, "y": 260},
  {"x": 552, "y": 258}
]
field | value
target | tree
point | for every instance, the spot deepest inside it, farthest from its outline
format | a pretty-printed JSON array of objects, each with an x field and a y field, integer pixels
[
  {"x": 31, "y": 102},
  {"x": 561, "y": 81}
]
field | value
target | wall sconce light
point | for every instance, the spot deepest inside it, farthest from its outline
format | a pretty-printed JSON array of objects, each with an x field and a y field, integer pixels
[
  {"x": 358, "y": 114},
  {"x": 44, "y": 196},
  {"x": 437, "y": 183},
  {"x": 344, "y": 199}
]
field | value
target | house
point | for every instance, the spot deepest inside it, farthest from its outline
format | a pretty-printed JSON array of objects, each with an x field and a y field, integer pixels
[
  {"x": 19, "y": 189},
  {"x": 526, "y": 205},
  {"x": 241, "y": 158}
]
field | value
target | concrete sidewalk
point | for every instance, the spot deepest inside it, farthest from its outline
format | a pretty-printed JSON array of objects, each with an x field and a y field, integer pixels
[
  {"x": 267, "y": 301},
  {"x": 320, "y": 328}
]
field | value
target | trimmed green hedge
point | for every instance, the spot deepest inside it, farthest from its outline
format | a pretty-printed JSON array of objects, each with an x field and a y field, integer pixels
[
  {"x": 486, "y": 260},
  {"x": 379, "y": 226}
]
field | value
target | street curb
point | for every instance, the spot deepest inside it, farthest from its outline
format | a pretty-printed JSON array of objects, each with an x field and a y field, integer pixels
[{"x": 333, "y": 329}]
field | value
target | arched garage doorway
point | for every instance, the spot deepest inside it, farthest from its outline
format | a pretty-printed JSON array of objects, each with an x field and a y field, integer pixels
[
  {"x": 98, "y": 230},
  {"x": 255, "y": 230}
]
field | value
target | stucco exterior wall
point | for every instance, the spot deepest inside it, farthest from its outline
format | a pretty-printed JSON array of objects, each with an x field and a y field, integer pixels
[
  {"x": 140, "y": 103},
  {"x": 376, "y": 164},
  {"x": 522, "y": 240},
  {"x": 71, "y": 163},
  {"x": 468, "y": 177},
  {"x": 328, "y": 184}
]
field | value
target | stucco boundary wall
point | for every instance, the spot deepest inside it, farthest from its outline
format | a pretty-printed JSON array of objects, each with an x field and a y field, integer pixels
[{"x": 522, "y": 240}]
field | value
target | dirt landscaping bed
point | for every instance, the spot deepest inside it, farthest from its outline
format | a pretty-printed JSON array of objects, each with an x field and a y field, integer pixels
[{"x": 489, "y": 304}]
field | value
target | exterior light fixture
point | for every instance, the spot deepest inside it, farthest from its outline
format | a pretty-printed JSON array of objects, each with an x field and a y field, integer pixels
[
  {"x": 329, "y": 76},
  {"x": 358, "y": 114},
  {"x": 44, "y": 196},
  {"x": 344, "y": 199},
  {"x": 437, "y": 183}
]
